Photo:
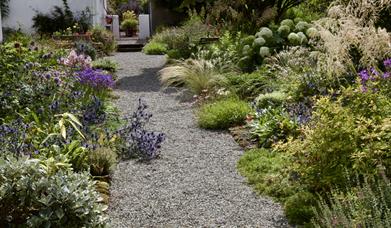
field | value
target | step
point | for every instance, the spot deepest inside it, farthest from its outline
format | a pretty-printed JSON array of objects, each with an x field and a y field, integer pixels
[{"x": 130, "y": 47}]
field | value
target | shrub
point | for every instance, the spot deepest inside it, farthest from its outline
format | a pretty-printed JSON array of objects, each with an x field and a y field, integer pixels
[
  {"x": 154, "y": 48},
  {"x": 129, "y": 24},
  {"x": 299, "y": 207},
  {"x": 284, "y": 30},
  {"x": 248, "y": 86},
  {"x": 105, "y": 64},
  {"x": 302, "y": 26},
  {"x": 274, "y": 99},
  {"x": 86, "y": 49},
  {"x": 223, "y": 114},
  {"x": 105, "y": 38},
  {"x": 196, "y": 74},
  {"x": 32, "y": 196},
  {"x": 271, "y": 125},
  {"x": 136, "y": 140},
  {"x": 264, "y": 52},
  {"x": 102, "y": 161},
  {"x": 367, "y": 205},
  {"x": 289, "y": 23},
  {"x": 294, "y": 39},
  {"x": 266, "y": 170},
  {"x": 61, "y": 19},
  {"x": 266, "y": 33},
  {"x": 258, "y": 42},
  {"x": 343, "y": 135}
]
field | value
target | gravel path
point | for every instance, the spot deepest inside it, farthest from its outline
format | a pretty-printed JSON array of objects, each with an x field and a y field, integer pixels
[{"x": 195, "y": 182}]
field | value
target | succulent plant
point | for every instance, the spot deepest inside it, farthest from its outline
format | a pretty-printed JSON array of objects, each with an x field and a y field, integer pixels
[
  {"x": 264, "y": 52},
  {"x": 284, "y": 30}
]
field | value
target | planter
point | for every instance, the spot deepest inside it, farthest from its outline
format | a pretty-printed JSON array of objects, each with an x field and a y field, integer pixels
[
  {"x": 109, "y": 20},
  {"x": 72, "y": 37},
  {"x": 130, "y": 32}
]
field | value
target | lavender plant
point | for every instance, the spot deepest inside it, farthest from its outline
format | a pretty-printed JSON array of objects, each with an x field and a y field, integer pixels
[{"x": 137, "y": 140}]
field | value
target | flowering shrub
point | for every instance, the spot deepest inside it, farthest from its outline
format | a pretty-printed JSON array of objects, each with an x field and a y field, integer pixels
[
  {"x": 76, "y": 61},
  {"x": 375, "y": 79},
  {"x": 138, "y": 141},
  {"x": 95, "y": 79}
]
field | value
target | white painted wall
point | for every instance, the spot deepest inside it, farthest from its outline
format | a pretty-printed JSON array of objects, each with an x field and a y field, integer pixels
[{"x": 22, "y": 11}]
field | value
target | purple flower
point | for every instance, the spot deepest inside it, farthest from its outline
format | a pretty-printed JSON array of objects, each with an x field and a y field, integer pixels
[
  {"x": 387, "y": 63},
  {"x": 364, "y": 75},
  {"x": 95, "y": 78},
  {"x": 386, "y": 75}
]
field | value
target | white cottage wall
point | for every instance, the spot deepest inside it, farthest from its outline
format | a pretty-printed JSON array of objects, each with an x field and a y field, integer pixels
[{"x": 22, "y": 11}]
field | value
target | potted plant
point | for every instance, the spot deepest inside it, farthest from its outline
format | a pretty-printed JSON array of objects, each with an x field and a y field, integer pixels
[
  {"x": 129, "y": 26},
  {"x": 109, "y": 19}
]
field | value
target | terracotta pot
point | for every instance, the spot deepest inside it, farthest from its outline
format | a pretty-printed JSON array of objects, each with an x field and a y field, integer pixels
[{"x": 109, "y": 20}]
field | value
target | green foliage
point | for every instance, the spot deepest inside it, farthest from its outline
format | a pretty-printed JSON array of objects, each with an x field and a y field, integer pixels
[
  {"x": 259, "y": 42},
  {"x": 265, "y": 33},
  {"x": 273, "y": 99},
  {"x": 155, "y": 48},
  {"x": 61, "y": 19},
  {"x": 182, "y": 41},
  {"x": 196, "y": 74},
  {"x": 105, "y": 64},
  {"x": 264, "y": 52},
  {"x": 223, "y": 114},
  {"x": 4, "y": 8},
  {"x": 349, "y": 134},
  {"x": 105, "y": 38},
  {"x": 86, "y": 48},
  {"x": 248, "y": 86},
  {"x": 129, "y": 24},
  {"x": 289, "y": 23},
  {"x": 266, "y": 170},
  {"x": 284, "y": 30},
  {"x": 31, "y": 196},
  {"x": 271, "y": 125},
  {"x": 302, "y": 26},
  {"x": 299, "y": 207},
  {"x": 129, "y": 15},
  {"x": 294, "y": 39},
  {"x": 366, "y": 205},
  {"x": 102, "y": 161}
]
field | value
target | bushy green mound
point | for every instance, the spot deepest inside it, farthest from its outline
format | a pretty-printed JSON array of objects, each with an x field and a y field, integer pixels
[
  {"x": 289, "y": 23},
  {"x": 223, "y": 114},
  {"x": 47, "y": 195},
  {"x": 284, "y": 31},
  {"x": 264, "y": 52},
  {"x": 273, "y": 99},
  {"x": 155, "y": 48}
]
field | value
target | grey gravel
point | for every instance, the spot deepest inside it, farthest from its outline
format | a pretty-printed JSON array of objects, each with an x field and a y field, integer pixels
[{"x": 194, "y": 183}]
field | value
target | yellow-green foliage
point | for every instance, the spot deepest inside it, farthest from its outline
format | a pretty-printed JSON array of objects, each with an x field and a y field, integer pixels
[
  {"x": 195, "y": 74},
  {"x": 155, "y": 48},
  {"x": 265, "y": 170},
  {"x": 353, "y": 133},
  {"x": 223, "y": 114}
]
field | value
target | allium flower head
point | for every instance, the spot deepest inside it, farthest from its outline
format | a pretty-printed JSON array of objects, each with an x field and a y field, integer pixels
[
  {"x": 387, "y": 63},
  {"x": 95, "y": 78}
]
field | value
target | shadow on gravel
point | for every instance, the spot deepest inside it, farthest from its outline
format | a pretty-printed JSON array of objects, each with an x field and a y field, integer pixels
[{"x": 147, "y": 81}]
